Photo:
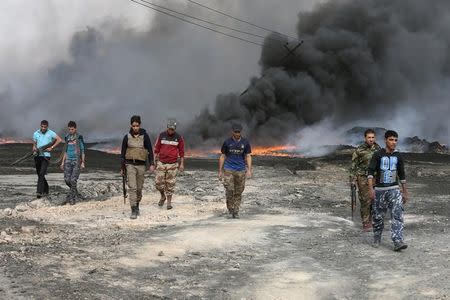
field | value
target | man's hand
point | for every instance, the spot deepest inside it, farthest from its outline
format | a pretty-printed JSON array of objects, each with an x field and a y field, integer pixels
[
  {"x": 82, "y": 166},
  {"x": 220, "y": 174},
  {"x": 62, "y": 166},
  {"x": 151, "y": 169},
  {"x": 122, "y": 172},
  {"x": 248, "y": 174},
  {"x": 181, "y": 168},
  {"x": 405, "y": 197},
  {"x": 49, "y": 149}
]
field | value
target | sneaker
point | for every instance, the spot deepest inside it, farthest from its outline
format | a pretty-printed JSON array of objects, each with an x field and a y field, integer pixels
[{"x": 398, "y": 246}]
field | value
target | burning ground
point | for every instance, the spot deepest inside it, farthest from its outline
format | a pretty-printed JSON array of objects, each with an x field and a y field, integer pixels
[{"x": 295, "y": 238}]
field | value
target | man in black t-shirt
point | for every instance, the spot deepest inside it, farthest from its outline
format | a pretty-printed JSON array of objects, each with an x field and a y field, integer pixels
[{"x": 387, "y": 168}]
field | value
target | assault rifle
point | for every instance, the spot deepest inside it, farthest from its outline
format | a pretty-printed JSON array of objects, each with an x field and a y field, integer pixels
[
  {"x": 34, "y": 153},
  {"x": 124, "y": 184},
  {"x": 353, "y": 197}
]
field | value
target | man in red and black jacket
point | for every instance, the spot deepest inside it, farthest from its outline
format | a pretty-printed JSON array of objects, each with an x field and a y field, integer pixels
[{"x": 168, "y": 148}]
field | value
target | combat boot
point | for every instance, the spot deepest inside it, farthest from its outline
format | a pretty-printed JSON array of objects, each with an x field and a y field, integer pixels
[
  {"x": 162, "y": 200},
  {"x": 169, "y": 202},
  {"x": 398, "y": 246},
  {"x": 376, "y": 241},
  {"x": 137, "y": 209},
  {"x": 134, "y": 212}
]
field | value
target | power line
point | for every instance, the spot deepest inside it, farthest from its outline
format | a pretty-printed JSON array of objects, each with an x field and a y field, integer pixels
[
  {"x": 197, "y": 24},
  {"x": 238, "y": 19},
  {"x": 209, "y": 22}
]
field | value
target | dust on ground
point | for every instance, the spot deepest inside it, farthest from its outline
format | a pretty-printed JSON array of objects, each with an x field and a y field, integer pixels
[{"x": 295, "y": 240}]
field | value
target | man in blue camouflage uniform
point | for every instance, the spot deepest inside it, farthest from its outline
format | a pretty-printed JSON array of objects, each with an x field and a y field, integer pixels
[
  {"x": 358, "y": 175},
  {"x": 387, "y": 167}
]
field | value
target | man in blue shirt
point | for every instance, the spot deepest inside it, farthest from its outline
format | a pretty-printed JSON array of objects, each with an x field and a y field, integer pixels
[
  {"x": 42, "y": 137},
  {"x": 235, "y": 164},
  {"x": 73, "y": 160}
]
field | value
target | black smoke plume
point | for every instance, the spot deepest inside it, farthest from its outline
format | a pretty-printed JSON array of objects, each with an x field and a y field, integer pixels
[{"x": 375, "y": 62}]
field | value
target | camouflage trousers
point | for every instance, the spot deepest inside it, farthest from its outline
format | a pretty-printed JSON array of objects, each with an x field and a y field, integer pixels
[
  {"x": 234, "y": 183},
  {"x": 71, "y": 175},
  {"x": 388, "y": 200},
  {"x": 364, "y": 199},
  {"x": 135, "y": 180},
  {"x": 165, "y": 178}
]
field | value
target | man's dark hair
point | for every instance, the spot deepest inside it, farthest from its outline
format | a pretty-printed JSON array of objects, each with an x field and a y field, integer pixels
[
  {"x": 390, "y": 133},
  {"x": 72, "y": 124},
  {"x": 44, "y": 122},
  {"x": 136, "y": 119},
  {"x": 369, "y": 130}
]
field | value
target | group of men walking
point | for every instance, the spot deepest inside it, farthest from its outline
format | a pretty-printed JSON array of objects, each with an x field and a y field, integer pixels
[
  {"x": 137, "y": 156},
  {"x": 379, "y": 174}
]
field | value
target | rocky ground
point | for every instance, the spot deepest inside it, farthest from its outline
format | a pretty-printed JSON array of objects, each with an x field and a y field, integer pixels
[{"x": 295, "y": 238}]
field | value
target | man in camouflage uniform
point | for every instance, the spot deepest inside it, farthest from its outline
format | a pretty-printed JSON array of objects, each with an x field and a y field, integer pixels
[
  {"x": 235, "y": 164},
  {"x": 169, "y": 156},
  {"x": 358, "y": 175}
]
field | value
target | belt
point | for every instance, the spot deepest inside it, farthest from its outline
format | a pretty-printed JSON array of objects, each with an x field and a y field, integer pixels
[{"x": 134, "y": 162}]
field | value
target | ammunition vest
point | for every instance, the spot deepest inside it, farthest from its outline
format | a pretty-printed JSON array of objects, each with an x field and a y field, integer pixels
[{"x": 135, "y": 149}]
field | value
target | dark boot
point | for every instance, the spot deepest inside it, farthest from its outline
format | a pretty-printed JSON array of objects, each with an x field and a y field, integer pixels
[
  {"x": 169, "y": 201},
  {"x": 134, "y": 212},
  {"x": 162, "y": 200},
  {"x": 137, "y": 208}
]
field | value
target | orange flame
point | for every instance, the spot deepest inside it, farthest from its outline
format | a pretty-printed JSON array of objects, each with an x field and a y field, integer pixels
[
  {"x": 14, "y": 141},
  {"x": 279, "y": 151}
]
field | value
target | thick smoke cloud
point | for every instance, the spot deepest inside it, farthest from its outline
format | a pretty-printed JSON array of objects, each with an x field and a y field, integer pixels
[
  {"x": 368, "y": 62},
  {"x": 363, "y": 62}
]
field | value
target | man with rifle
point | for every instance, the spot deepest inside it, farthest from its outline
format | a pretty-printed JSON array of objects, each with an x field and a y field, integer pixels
[
  {"x": 358, "y": 176},
  {"x": 43, "y": 137},
  {"x": 136, "y": 153}
]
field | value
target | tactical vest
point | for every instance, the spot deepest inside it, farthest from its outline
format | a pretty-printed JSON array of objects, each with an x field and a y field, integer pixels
[{"x": 135, "y": 149}]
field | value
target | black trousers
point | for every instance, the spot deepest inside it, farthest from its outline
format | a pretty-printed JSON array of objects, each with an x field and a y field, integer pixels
[{"x": 41, "y": 164}]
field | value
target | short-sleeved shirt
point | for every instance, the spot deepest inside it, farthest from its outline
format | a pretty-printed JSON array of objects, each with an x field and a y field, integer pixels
[
  {"x": 235, "y": 152},
  {"x": 43, "y": 139},
  {"x": 387, "y": 169}
]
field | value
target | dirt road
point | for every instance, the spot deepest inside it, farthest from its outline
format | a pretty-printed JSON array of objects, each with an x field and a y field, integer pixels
[{"x": 295, "y": 240}]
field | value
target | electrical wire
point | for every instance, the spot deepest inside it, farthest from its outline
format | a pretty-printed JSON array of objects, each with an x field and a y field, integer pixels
[
  {"x": 238, "y": 19},
  {"x": 197, "y": 24}
]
